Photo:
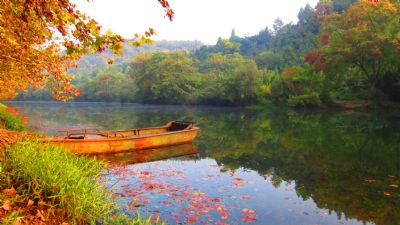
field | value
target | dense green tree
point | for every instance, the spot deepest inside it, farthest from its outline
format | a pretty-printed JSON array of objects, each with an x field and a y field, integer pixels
[
  {"x": 364, "y": 40},
  {"x": 109, "y": 85},
  {"x": 229, "y": 79},
  {"x": 164, "y": 77}
]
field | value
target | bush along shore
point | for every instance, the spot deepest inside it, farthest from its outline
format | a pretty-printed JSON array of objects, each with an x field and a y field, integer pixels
[{"x": 44, "y": 184}]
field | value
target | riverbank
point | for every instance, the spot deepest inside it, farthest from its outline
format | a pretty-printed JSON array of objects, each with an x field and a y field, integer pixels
[{"x": 44, "y": 184}]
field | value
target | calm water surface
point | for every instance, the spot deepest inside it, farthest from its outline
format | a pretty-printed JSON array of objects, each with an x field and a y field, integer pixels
[{"x": 248, "y": 166}]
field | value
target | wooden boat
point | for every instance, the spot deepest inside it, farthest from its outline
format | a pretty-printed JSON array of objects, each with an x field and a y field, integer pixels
[{"x": 92, "y": 141}]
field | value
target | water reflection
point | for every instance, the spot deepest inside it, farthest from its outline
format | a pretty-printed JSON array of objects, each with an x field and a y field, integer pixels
[
  {"x": 188, "y": 151},
  {"x": 345, "y": 163}
]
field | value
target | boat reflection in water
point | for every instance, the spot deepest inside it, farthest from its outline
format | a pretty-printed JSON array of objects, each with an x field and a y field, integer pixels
[{"x": 148, "y": 155}]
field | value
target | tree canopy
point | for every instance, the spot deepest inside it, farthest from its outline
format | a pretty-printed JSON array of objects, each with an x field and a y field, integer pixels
[{"x": 40, "y": 39}]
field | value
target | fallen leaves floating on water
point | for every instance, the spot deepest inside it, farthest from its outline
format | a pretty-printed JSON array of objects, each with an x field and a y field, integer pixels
[
  {"x": 164, "y": 187},
  {"x": 248, "y": 215},
  {"x": 192, "y": 219},
  {"x": 246, "y": 197},
  {"x": 167, "y": 203}
]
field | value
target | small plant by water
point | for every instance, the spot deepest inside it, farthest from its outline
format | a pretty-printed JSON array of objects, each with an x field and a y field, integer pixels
[{"x": 10, "y": 121}]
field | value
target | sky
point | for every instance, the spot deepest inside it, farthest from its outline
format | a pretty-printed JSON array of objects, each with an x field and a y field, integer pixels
[{"x": 202, "y": 20}]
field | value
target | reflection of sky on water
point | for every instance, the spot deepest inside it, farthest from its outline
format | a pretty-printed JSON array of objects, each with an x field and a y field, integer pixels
[{"x": 172, "y": 187}]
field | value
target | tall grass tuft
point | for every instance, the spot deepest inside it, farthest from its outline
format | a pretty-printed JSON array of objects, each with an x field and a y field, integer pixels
[
  {"x": 65, "y": 178},
  {"x": 10, "y": 121}
]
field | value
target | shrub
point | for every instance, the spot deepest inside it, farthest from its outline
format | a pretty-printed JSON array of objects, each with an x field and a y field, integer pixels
[{"x": 310, "y": 99}]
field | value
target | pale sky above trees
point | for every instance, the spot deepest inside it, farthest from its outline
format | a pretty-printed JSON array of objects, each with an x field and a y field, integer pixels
[{"x": 204, "y": 20}]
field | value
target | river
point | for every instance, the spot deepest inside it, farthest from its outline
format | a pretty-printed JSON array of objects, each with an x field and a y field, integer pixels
[{"x": 247, "y": 166}]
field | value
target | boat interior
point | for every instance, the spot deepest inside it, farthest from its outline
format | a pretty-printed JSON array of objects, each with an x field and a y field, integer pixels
[{"x": 93, "y": 133}]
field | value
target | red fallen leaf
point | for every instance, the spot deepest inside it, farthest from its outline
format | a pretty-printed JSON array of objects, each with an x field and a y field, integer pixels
[
  {"x": 238, "y": 179},
  {"x": 149, "y": 187},
  {"x": 29, "y": 204},
  {"x": 39, "y": 215},
  {"x": 191, "y": 219},
  {"x": 370, "y": 181},
  {"x": 116, "y": 195},
  {"x": 10, "y": 192},
  {"x": 133, "y": 204},
  {"x": 185, "y": 210},
  {"x": 145, "y": 173},
  {"x": 155, "y": 220},
  {"x": 246, "y": 197},
  {"x": 7, "y": 205},
  {"x": 145, "y": 200},
  {"x": 156, "y": 211},
  {"x": 221, "y": 223},
  {"x": 167, "y": 203},
  {"x": 175, "y": 214}
]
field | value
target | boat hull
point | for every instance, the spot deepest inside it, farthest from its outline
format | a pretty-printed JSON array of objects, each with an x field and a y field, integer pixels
[{"x": 115, "y": 145}]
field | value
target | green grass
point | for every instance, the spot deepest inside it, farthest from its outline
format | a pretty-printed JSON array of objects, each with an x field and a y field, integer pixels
[
  {"x": 58, "y": 175},
  {"x": 9, "y": 121},
  {"x": 68, "y": 181}
]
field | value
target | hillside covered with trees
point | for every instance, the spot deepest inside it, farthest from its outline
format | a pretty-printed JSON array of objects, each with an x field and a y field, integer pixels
[{"x": 338, "y": 52}]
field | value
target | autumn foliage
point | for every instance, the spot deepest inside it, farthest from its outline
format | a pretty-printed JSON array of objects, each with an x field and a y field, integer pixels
[{"x": 40, "y": 39}]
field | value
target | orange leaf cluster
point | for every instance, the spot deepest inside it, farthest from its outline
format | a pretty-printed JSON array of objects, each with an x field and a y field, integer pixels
[{"x": 168, "y": 11}]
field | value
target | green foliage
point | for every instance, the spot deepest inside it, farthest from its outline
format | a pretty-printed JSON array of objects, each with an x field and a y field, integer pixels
[
  {"x": 341, "y": 6},
  {"x": 229, "y": 79},
  {"x": 306, "y": 86},
  {"x": 276, "y": 88},
  {"x": 109, "y": 85},
  {"x": 364, "y": 39},
  {"x": 164, "y": 77},
  {"x": 56, "y": 174},
  {"x": 309, "y": 99}
]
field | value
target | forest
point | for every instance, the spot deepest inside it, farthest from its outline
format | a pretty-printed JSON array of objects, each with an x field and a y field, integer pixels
[{"x": 338, "y": 53}]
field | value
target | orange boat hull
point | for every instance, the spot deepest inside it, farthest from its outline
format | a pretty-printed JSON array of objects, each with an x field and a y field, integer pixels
[{"x": 145, "y": 140}]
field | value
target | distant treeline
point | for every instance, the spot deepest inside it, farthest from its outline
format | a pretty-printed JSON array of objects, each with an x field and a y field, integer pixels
[{"x": 341, "y": 50}]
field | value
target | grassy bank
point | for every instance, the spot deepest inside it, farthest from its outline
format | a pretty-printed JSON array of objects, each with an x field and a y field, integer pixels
[
  {"x": 47, "y": 175},
  {"x": 44, "y": 184},
  {"x": 10, "y": 121}
]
